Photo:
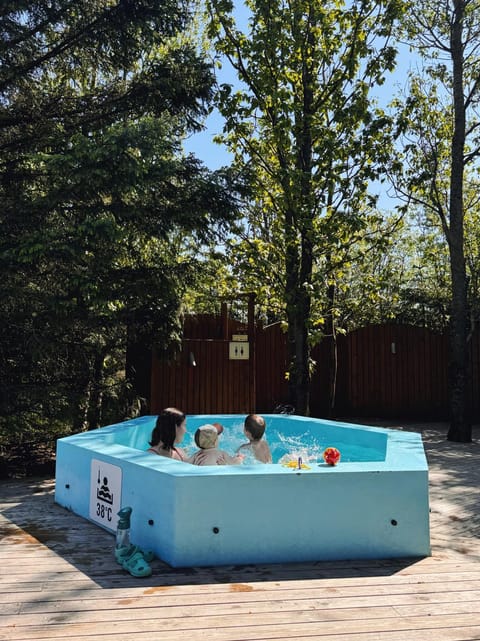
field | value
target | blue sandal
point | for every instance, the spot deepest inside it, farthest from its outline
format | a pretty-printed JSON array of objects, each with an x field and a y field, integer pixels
[
  {"x": 136, "y": 565},
  {"x": 124, "y": 553}
]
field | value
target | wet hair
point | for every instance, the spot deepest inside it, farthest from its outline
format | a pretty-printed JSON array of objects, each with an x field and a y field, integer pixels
[
  {"x": 255, "y": 424},
  {"x": 165, "y": 430}
]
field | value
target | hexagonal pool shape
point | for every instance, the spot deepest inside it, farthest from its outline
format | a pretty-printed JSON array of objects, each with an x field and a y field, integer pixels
[{"x": 253, "y": 513}]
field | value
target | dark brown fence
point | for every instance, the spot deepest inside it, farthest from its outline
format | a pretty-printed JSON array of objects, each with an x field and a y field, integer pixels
[
  {"x": 202, "y": 380},
  {"x": 383, "y": 371},
  {"x": 393, "y": 370}
]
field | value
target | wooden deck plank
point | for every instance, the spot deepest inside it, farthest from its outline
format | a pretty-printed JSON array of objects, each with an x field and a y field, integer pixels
[
  {"x": 252, "y": 595},
  {"x": 56, "y": 584},
  {"x": 19, "y": 613},
  {"x": 241, "y": 614},
  {"x": 45, "y": 601},
  {"x": 241, "y": 631}
]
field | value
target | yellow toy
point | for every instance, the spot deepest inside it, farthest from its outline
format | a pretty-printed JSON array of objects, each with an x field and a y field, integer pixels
[{"x": 296, "y": 465}]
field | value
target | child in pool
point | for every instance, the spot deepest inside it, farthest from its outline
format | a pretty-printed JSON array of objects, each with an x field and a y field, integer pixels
[
  {"x": 254, "y": 429},
  {"x": 206, "y": 438}
]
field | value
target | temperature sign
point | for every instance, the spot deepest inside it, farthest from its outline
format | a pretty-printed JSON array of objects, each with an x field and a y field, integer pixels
[{"x": 105, "y": 493}]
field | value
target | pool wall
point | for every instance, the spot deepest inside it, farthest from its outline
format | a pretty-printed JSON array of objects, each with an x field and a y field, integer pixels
[{"x": 200, "y": 516}]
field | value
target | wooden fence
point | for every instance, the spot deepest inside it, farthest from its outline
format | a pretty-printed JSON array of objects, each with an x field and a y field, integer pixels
[
  {"x": 393, "y": 370},
  {"x": 383, "y": 371}
]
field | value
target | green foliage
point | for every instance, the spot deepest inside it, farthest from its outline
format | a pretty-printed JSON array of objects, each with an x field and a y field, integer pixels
[
  {"x": 96, "y": 197},
  {"x": 308, "y": 139},
  {"x": 399, "y": 273},
  {"x": 442, "y": 122}
]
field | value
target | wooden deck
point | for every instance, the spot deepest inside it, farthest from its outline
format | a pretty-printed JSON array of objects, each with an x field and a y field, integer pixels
[{"x": 59, "y": 580}]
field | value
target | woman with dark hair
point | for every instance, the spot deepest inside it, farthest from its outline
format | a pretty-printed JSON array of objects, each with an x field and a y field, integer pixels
[{"x": 169, "y": 430}]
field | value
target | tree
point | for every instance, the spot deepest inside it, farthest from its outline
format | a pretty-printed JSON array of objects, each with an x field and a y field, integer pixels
[
  {"x": 303, "y": 130},
  {"x": 443, "y": 124},
  {"x": 96, "y": 194}
]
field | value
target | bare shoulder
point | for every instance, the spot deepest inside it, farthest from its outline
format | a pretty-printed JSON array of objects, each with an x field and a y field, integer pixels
[
  {"x": 178, "y": 454},
  {"x": 262, "y": 451}
]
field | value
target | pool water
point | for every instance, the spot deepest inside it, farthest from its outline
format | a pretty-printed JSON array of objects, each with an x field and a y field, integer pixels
[{"x": 309, "y": 444}]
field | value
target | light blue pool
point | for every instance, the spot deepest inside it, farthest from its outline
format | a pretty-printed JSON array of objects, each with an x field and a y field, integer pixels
[{"x": 373, "y": 504}]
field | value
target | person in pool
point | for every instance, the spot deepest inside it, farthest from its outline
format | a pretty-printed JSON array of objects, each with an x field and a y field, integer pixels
[
  {"x": 206, "y": 439},
  {"x": 254, "y": 429},
  {"x": 168, "y": 432}
]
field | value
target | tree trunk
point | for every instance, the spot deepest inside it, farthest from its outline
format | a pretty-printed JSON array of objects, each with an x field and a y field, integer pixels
[
  {"x": 331, "y": 335},
  {"x": 460, "y": 427},
  {"x": 98, "y": 384},
  {"x": 80, "y": 419},
  {"x": 138, "y": 369},
  {"x": 298, "y": 299},
  {"x": 299, "y": 357},
  {"x": 299, "y": 271}
]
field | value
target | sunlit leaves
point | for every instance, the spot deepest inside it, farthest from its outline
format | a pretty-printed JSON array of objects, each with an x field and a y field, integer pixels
[{"x": 303, "y": 123}]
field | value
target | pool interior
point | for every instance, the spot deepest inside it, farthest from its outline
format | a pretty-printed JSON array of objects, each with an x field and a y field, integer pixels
[{"x": 288, "y": 440}]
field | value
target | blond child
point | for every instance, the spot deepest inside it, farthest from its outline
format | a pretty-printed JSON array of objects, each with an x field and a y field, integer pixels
[{"x": 206, "y": 438}]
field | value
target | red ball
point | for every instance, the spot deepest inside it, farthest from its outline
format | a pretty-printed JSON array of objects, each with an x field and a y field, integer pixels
[{"x": 331, "y": 456}]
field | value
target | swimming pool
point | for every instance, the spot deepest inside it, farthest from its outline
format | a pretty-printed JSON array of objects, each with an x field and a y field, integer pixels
[{"x": 373, "y": 504}]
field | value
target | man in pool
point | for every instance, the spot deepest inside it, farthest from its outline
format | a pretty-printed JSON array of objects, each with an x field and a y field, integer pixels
[
  {"x": 206, "y": 438},
  {"x": 254, "y": 429}
]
